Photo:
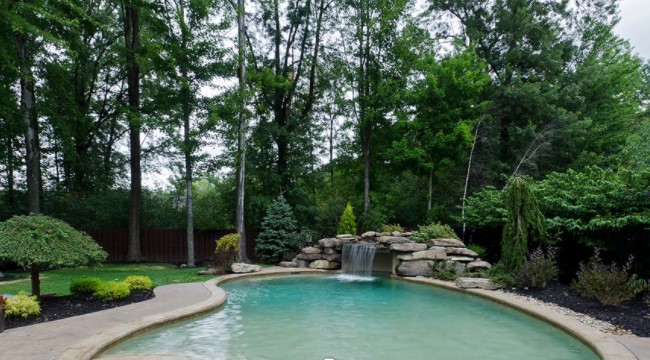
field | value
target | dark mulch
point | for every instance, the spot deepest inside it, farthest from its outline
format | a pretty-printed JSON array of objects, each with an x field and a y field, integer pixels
[
  {"x": 61, "y": 307},
  {"x": 633, "y": 315}
]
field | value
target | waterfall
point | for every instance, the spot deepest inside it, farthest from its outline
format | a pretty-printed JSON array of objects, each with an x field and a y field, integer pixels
[{"x": 357, "y": 259}]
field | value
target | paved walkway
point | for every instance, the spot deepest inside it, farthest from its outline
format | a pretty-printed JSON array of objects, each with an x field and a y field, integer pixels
[{"x": 83, "y": 336}]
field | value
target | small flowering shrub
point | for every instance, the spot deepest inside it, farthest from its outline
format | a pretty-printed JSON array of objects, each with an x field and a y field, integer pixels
[
  {"x": 85, "y": 285},
  {"x": 112, "y": 290},
  {"x": 3, "y": 301},
  {"x": 138, "y": 282},
  {"x": 608, "y": 284},
  {"x": 22, "y": 305},
  {"x": 538, "y": 270}
]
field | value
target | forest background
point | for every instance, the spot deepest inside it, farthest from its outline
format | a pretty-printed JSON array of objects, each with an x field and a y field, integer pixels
[{"x": 413, "y": 112}]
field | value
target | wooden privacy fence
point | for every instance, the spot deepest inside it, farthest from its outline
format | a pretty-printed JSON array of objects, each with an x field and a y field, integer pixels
[{"x": 168, "y": 246}]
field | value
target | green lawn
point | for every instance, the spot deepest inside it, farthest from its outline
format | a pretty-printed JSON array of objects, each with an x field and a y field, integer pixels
[{"x": 58, "y": 281}]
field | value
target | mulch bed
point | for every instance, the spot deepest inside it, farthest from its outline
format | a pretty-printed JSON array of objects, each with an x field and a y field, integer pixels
[
  {"x": 633, "y": 315},
  {"x": 61, "y": 307}
]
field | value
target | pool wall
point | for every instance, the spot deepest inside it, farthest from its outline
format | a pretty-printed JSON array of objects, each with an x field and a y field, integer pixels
[{"x": 605, "y": 346}]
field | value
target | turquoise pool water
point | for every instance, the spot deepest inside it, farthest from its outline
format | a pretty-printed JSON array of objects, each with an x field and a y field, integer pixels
[{"x": 320, "y": 317}]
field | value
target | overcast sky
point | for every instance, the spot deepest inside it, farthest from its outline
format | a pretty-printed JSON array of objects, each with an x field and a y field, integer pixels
[{"x": 635, "y": 25}]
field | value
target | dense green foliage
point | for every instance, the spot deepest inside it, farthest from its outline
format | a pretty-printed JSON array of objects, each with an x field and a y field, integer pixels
[
  {"x": 85, "y": 286},
  {"x": 138, "y": 282},
  {"x": 39, "y": 242},
  {"x": 400, "y": 112},
  {"x": 226, "y": 252},
  {"x": 277, "y": 240},
  {"x": 433, "y": 231},
  {"x": 524, "y": 225},
  {"x": 347, "y": 224},
  {"x": 112, "y": 290},
  {"x": 609, "y": 284},
  {"x": 22, "y": 305}
]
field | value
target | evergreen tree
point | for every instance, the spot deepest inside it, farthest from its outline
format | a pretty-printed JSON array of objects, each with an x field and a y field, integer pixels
[
  {"x": 277, "y": 237},
  {"x": 525, "y": 223},
  {"x": 347, "y": 224}
]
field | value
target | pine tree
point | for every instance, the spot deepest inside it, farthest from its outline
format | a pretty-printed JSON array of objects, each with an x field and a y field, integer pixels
[
  {"x": 525, "y": 223},
  {"x": 347, "y": 224},
  {"x": 277, "y": 238}
]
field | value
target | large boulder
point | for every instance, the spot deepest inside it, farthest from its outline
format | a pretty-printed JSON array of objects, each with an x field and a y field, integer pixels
[
  {"x": 461, "y": 258},
  {"x": 408, "y": 247},
  {"x": 474, "y": 283},
  {"x": 242, "y": 268},
  {"x": 415, "y": 268},
  {"x": 392, "y": 239},
  {"x": 432, "y": 254},
  {"x": 312, "y": 250},
  {"x": 445, "y": 242},
  {"x": 329, "y": 242},
  {"x": 332, "y": 257},
  {"x": 478, "y": 265},
  {"x": 461, "y": 251},
  {"x": 304, "y": 256},
  {"x": 368, "y": 234},
  {"x": 329, "y": 251},
  {"x": 301, "y": 263}
]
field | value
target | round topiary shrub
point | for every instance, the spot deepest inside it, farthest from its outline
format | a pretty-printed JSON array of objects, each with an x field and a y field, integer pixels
[
  {"x": 85, "y": 286},
  {"x": 112, "y": 290},
  {"x": 136, "y": 282},
  {"x": 40, "y": 242}
]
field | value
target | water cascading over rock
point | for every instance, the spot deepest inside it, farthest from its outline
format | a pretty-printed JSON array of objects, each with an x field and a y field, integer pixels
[{"x": 357, "y": 259}]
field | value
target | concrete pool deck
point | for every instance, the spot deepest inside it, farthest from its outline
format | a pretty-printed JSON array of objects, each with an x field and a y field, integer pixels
[{"x": 84, "y": 336}]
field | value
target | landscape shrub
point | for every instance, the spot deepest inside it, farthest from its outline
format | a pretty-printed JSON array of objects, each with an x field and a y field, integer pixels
[
  {"x": 226, "y": 252},
  {"x": 478, "y": 249},
  {"x": 442, "y": 272},
  {"x": 347, "y": 223},
  {"x": 136, "y": 282},
  {"x": 112, "y": 290},
  {"x": 392, "y": 227},
  {"x": 538, "y": 270},
  {"x": 371, "y": 220},
  {"x": 85, "y": 285},
  {"x": 609, "y": 284},
  {"x": 433, "y": 231},
  {"x": 22, "y": 305},
  {"x": 278, "y": 238},
  {"x": 500, "y": 275}
]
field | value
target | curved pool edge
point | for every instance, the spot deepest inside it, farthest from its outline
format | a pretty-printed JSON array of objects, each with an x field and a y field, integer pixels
[
  {"x": 603, "y": 345},
  {"x": 98, "y": 343}
]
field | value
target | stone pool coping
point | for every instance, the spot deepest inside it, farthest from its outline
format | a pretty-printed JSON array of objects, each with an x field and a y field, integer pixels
[{"x": 86, "y": 336}]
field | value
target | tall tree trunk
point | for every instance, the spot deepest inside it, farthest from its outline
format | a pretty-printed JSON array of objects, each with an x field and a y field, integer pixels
[
  {"x": 241, "y": 144},
  {"x": 32, "y": 153},
  {"x": 11, "y": 196},
  {"x": 187, "y": 110},
  {"x": 36, "y": 281},
  {"x": 187, "y": 99},
  {"x": 132, "y": 42}
]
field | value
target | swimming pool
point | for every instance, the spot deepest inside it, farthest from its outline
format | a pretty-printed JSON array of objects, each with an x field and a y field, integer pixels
[{"x": 319, "y": 317}]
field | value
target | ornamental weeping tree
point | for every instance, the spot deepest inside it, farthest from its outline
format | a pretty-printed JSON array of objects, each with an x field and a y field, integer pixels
[
  {"x": 277, "y": 238},
  {"x": 39, "y": 242},
  {"x": 525, "y": 223}
]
